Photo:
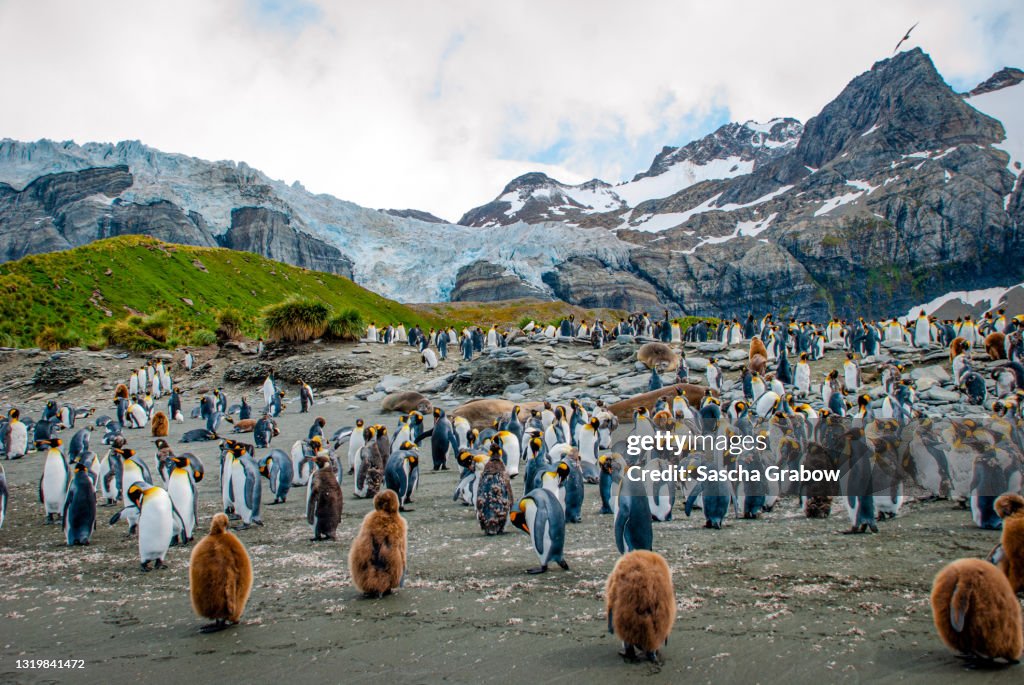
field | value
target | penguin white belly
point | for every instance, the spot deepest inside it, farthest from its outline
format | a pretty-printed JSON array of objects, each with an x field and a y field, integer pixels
[
  {"x": 922, "y": 333},
  {"x": 19, "y": 440},
  {"x": 850, "y": 378},
  {"x": 300, "y": 473},
  {"x": 226, "y": 491},
  {"x": 268, "y": 391},
  {"x": 133, "y": 385},
  {"x": 180, "y": 491},
  {"x": 107, "y": 490},
  {"x": 513, "y": 453},
  {"x": 889, "y": 503},
  {"x": 238, "y": 481},
  {"x": 851, "y": 509},
  {"x": 156, "y": 526},
  {"x": 355, "y": 446},
  {"x": 55, "y": 484},
  {"x": 137, "y": 416},
  {"x": 927, "y": 468},
  {"x": 961, "y": 471},
  {"x": 803, "y": 379}
]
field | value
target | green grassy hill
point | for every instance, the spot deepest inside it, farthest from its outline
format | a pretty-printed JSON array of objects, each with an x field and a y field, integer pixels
[{"x": 65, "y": 299}]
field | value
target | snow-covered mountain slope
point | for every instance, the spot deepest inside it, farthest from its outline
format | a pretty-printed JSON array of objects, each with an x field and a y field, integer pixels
[
  {"x": 973, "y": 302},
  {"x": 1006, "y": 103},
  {"x": 732, "y": 150},
  {"x": 400, "y": 257}
]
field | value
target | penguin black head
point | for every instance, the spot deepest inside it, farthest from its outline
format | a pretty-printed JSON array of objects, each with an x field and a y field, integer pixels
[
  {"x": 562, "y": 470},
  {"x": 518, "y": 516},
  {"x": 316, "y": 442},
  {"x": 179, "y": 461},
  {"x": 160, "y": 443},
  {"x": 14, "y": 413},
  {"x": 495, "y": 450},
  {"x": 321, "y": 421},
  {"x": 136, "y": 491}
]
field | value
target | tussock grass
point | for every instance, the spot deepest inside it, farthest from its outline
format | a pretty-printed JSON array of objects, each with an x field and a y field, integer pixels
[{"x": 296, "y": 320}]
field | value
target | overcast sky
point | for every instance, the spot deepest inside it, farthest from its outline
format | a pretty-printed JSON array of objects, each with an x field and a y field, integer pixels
[{"x": 437, "y": 105}]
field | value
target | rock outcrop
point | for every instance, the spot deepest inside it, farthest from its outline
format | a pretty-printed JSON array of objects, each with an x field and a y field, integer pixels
[
  {"x": 269, "y": 233},
  {"x": 485, "y": 282}
]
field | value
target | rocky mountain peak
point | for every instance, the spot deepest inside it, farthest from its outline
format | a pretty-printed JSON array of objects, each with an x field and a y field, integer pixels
[
  {"x": 901, "y": 105},
  {"x": 1004, "y": 78}
]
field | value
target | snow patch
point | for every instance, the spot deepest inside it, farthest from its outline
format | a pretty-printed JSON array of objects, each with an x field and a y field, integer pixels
[
  {"x": 992, "y": 297},
  {"x": 1006, "y": 105},
  {"x": 869, "y": 131},
  {"x": 838, "y": 201},
  {"x": 680, "y": 176}
]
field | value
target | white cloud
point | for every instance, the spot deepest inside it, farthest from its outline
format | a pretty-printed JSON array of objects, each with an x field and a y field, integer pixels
[{"x": 396, "y": 104}]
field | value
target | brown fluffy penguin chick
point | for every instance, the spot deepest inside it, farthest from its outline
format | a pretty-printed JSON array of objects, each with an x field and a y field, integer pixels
[
  {"x": 975, "y": 611},
  {"x": 242, "y": 425},
  {"x": 1010, "y": 508},
  {"x": 995, "y": 345},
  {"x": 121, "y": 391},
  {"x": 323, "y": 508},
  {"x": 377, "y": 558},
  {"x": 159, "y": 425},
  {"x": 641, "y": 604},
  {"x": 219, "y": 576}
]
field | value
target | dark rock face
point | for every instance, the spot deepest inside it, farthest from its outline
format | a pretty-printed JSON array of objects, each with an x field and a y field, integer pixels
[
  {"x": 320, "y": 372},
  {"x": 539, "y": 198},
  {"x": 589, "y": 283},
  {"x": 486, "y": 282},
  {"x": 1005, "y": 77},
  {"x": 747, "y": 142},
  {"x": 61, "y": 211},
  {"x": 487, "y": 375},
  {"x": 59, "y": 372},
  {"x": 269, "y": 233},
  {"x": 417, "y": 214}
]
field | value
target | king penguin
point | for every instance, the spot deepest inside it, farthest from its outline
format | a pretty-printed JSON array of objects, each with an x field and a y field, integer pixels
[
  {"x": 79, "y": 513},
  {"x": 539, "y": 515}
]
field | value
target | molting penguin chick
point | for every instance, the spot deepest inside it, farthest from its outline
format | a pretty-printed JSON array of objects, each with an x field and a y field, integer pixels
[
  {"x": 976, "y": 612},
  {"x": 494, "y": 494},
  {"x": 1010, "y": 553},
  {"x": 325, "y": 501},
  {"x": 377, "y": 559},
  {"x": 641, "y": 604},
  {"x": 219, "y": 576},
  {"x": 159, "y": 425}
]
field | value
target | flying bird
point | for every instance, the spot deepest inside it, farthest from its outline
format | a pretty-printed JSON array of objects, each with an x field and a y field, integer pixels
[{"x": 906, "y": 37}]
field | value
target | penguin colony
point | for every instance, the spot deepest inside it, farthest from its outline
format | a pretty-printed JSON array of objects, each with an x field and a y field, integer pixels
[{"x": 564, "y": 447}]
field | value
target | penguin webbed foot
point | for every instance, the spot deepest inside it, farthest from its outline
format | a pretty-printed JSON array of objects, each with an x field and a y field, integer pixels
[
  {"x": 563, "y": 564},
  {"x": 145, "y": 567},
  {"x": 537, "y": 571},
  {"x": 216, "y": 626}
]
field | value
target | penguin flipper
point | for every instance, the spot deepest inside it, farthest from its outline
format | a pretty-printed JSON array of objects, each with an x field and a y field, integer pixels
[
  {"x": 959, "y": 603},
  {"x": 424, "y": 435},
  {"x": 611, "y": 627},
  {"x": 314, "y": 495},
  {"x": 41, "y": 500}
]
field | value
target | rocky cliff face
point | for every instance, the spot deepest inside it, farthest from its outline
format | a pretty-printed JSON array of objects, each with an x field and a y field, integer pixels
[
  {"x": 900, "y": 190},
  {"x": 732, "y": 150},
  {"x": 485, "y": 282},
  {"x": 60, "y": 211},
  {"x": 270, "y": 233}
]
